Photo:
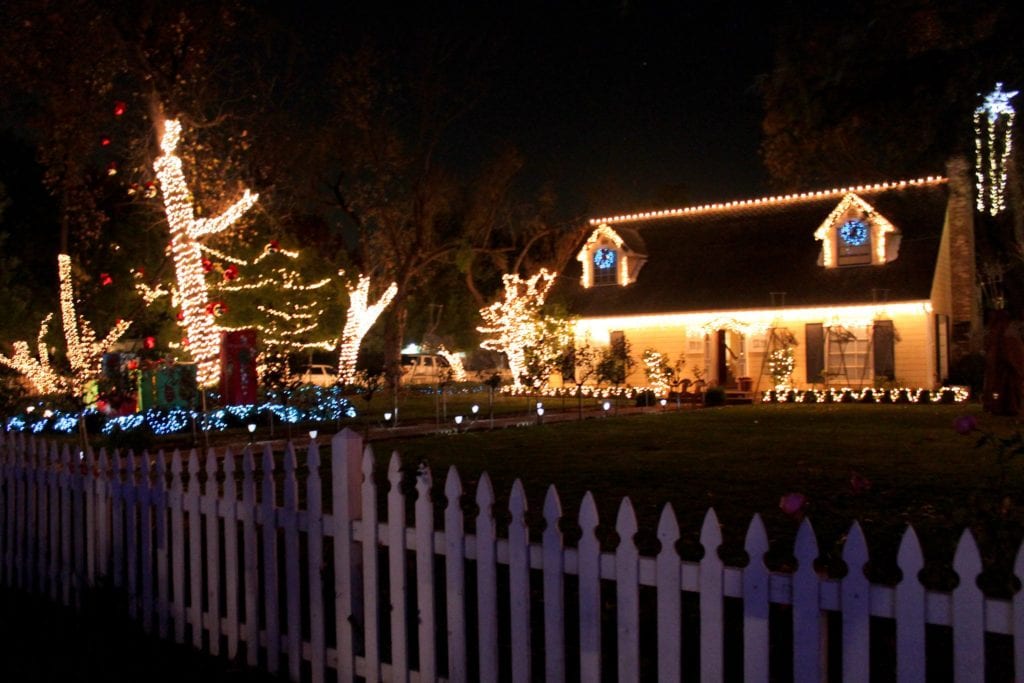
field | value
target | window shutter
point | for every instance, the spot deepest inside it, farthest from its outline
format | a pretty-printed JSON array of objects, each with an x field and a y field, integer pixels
[
  {"x": 885, "y": 353},
  {"x": 814, "y": 334}
]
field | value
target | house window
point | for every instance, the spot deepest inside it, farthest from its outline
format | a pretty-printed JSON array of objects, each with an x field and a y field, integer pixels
[
  {"x": 847, "y": 354},
  {"x": 854, "y": 243},
  {"x": 606, "y": 262}
]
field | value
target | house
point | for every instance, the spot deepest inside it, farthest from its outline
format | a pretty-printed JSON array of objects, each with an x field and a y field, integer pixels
[{"x": 860, "y": 286}]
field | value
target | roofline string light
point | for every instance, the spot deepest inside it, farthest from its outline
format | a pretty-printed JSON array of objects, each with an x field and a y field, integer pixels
[
  {"x": 769, "y": 201},
  {"x": 359, "y": 318},
  {"x": 84, "y": 353},
  {"x": 992, "y": 150},
  {"x": 186, "y": 230}
]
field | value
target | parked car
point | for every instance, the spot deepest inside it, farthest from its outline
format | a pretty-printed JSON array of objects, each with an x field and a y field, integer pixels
[
  {"x": 320, "y": 375},
  {"x": 424, "y": 368}
]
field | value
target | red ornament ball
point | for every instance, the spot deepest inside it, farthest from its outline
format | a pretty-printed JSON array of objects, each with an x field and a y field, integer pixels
[{"x": 120, "y": 108}]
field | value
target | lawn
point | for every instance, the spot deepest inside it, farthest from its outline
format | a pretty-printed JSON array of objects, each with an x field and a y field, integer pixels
[{"x": 741, "y": 460}]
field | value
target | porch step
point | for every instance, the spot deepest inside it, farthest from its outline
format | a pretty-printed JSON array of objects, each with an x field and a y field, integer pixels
[{"x": 739, "y": 398}]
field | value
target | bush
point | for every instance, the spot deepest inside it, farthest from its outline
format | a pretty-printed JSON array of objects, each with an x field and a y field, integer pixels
[
  {"x": 715, "y": 396},
  {"x": 810, "y": 396},
  {"x": 868, "y": 396},
  {"x": 969, "y": 371},
  {"x": 645, "y": 399}
]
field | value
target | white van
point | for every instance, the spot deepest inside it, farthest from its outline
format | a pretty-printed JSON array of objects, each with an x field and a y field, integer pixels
[{"x": 425, "y": 368}]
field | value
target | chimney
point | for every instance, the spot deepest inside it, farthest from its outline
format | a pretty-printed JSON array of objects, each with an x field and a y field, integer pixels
[{"x": 966, "y": 319}]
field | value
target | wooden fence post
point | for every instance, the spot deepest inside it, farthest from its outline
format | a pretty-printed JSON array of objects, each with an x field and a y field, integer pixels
[{"x": 346, "y": 458}]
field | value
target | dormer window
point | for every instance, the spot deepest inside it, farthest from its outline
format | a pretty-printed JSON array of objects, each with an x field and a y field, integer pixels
[
  {"x": 855, "y": 234},
  {"x": 608, "y": 259},
  {"x": 605, "y": 261}
]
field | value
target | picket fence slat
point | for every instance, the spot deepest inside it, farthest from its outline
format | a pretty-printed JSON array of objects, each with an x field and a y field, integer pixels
[
  {"x": 669, "y": 600},
  {"x": 424, "y": 521},
  {"x": 371, "y": 629},
  {"x": 231, "y": 579},
  {"x": 292, "y": 589},
  {"x": 756, "y": 597},
  {"x": 397, "y": 589},
  {"x": 486, "y": 581},
  {"x": 193, "y": 560},
  {"x": 250, "y": 559},
  {"x": 554, "y": 589},
  {"x": 268, "y": 516},
  {"x": 627, "y": 584},
  {"x": 519, "y": 585},
  {"x": 712, "y": 626},
  {"x": 968, "y": 613},
  {"x": 315, "y": 559}
]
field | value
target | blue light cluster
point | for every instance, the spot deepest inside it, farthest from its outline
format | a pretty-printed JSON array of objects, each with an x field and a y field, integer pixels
[{"x": 313, "y": 406}]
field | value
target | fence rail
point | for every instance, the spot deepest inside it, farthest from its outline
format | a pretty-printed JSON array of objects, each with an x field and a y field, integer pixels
[{"x": 211, "y": 553}]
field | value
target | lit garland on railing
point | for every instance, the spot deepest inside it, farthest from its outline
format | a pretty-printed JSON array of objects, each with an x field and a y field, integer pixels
[
  {"x": 84, "y": 353},
  {"x": 203, "y": 335},
  {"x": 996, "y": 145},
  {"x": 37, "y": 370},
  {"x": 359, "y": 318},
  {"x": 514, "y": 320},
  {"x": 768, "y": 201}
]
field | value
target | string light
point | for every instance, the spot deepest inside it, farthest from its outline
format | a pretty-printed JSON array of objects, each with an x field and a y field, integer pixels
[
  {"x": 84, "y": 353},
  {"x": 186, "y": 230},
  {"x": 359, "y": 318},
  {"x": 37, "y": 370},
  {"x": 514, "y": 320},
  {"x": 769, "y": 201},
  {"x": 994, "y": 147}
]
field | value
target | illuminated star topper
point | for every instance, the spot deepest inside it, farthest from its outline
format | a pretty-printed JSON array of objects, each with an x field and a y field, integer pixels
[{"x": 997, "y": 103}]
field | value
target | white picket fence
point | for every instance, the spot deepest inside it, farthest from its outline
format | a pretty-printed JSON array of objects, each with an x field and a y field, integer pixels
[{"x": 236, "y": 571}]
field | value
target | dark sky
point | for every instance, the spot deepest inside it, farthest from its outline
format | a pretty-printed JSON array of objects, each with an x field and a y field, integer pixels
[
  {"x": 616, "y": 106},
  {"x": 640, "y": 106}
]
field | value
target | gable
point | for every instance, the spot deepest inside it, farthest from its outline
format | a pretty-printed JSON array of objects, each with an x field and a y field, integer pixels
[
  {"x": 610, "y": 258},
  {"x": 742, "y": 254},
  {"x": 856, "y": 234}
]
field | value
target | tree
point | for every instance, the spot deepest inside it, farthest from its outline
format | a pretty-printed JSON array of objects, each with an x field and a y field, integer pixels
[
  {"x": 515, "y": 321},
  {"x": 616, "y": 362},
  {"x": 359, "y": 318},
  {"x": 858, "y": 98},
  {"x": 186, "y": 231}
]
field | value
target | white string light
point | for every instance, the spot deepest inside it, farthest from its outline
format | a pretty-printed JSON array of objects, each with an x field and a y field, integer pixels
[
  {"x": 853, "y": 205},
  {"x": 359, "y": 318},
  {"x": 37, "y": 370},
  {"x": 185, "y": 229},
  {"x": 992, "y": 150},
  {"x": 769, "y": 201}
]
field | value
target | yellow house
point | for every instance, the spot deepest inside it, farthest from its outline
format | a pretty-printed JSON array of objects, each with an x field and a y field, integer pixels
[{"x": 859, "y": 286}]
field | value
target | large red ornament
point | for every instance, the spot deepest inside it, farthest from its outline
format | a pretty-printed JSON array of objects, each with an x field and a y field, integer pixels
[
  {"x": 120, "y": 108},
  {"x": 207, "y": 265},
  {"x": 105, "y": 279},
  {"x": 149, "y": 343},
  {"x": 231, "y": 272},
  {"x": 105, "y": 141}
]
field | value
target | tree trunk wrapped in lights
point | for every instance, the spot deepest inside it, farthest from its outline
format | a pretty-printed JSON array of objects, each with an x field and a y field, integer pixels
[
  {"x": 85, "y": 353},
  {"x": 514, "y": 320},
  {"x": 359, "y": 319},
  {"x": 186, "y": 230}
]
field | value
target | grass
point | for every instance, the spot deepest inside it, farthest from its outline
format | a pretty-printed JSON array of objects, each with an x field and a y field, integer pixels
[{"x": 741, "y": 460}]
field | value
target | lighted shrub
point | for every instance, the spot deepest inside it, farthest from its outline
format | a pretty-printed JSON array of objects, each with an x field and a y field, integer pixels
[{"x": 715, "y": 396}]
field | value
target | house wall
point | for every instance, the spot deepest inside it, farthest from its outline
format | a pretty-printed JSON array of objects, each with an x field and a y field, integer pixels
[{"x": 685, "y": 335}]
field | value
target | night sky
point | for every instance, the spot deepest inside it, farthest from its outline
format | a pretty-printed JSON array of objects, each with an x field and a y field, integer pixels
[{"x": 615, "y": 107}]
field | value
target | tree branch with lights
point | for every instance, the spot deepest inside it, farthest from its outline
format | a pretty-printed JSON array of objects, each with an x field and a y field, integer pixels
[{"x": 36, "y": 369}]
